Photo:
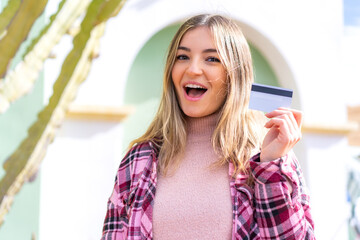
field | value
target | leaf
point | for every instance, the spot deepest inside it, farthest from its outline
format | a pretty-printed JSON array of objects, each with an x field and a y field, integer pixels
[
  {"x": 7, "y": 15},
  {"x": 18, "y": 30},
  {"x": 45, "y": 29},
  {"x": 24, "y": 162},
  {"x": 20, "y": 81},
  {"x": 110, "y": 8}
]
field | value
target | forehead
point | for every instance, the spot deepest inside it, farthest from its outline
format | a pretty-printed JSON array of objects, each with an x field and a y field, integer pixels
[{"x": 198, "y": 37}]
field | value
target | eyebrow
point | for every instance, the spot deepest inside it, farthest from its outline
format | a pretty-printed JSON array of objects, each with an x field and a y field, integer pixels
[{"x": 208, "y": 50}]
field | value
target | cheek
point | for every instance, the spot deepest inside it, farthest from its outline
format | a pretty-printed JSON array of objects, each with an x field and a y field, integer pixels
[
  {"x": 222, "y": 94},
  {"x": 175, "y": 80},
  {"x": 175, "y": 74},
  {"x": 221, "y": 85}
]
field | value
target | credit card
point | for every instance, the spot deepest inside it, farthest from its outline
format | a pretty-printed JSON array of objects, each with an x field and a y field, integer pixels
[{"x": 268, "y": 98}]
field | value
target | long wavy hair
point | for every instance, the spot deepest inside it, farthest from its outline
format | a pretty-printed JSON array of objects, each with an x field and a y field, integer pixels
[{"x": 236, "y": 136}]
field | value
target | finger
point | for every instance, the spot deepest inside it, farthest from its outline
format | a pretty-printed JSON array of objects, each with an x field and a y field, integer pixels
[
  {"x": 291, "y": 121},
  {"x": 276, "y": 112},
  {"x": 293, "y": 126},
  {"x": 278, "y": 122},
  {"x": 285, "y": 134},
  {"x": 296, "y": 113},
  {"x": 287, "y": 126},
  {"x": 284, "y": 114}
]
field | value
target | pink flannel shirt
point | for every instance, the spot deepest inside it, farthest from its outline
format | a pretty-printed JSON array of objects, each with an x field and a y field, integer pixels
[{"x": 266, "y": 211}]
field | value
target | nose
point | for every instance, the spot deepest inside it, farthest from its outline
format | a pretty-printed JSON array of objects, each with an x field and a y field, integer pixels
[{"x": 194, "y": 69}]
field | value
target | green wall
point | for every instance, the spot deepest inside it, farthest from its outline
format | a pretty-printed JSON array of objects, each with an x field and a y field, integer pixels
[
  {"x": 23, "y": 219},
  {"x": 144, "y": 84},
  {"x": 263, "y": 73}
]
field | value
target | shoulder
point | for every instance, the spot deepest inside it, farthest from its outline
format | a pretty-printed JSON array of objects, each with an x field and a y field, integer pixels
[
  {"x": 138, "y": 153},
  {"x": 137, "y": 161}
]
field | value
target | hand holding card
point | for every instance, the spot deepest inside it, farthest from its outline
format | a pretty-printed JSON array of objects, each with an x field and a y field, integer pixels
[
  {"x": 284, "y": 124},
  {"x": 284, "y": 132}
]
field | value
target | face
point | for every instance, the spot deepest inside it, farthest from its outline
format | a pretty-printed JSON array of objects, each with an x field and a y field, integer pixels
[{"x": 198, "y": 75}]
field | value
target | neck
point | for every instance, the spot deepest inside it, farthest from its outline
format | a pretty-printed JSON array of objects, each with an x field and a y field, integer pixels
[{"x": 201, "y": 128}]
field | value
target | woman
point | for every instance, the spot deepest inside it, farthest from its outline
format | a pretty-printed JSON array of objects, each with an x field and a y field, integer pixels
[{"x": 192, "y": 174}]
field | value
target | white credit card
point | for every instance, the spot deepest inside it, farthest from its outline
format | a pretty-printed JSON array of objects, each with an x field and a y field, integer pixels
[{"x": 268, "y": 98}]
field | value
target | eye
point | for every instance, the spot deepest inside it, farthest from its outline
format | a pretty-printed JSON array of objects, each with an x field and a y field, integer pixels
[
  {"x": 182, "y": 57},
  {"x": 213, "y": 59}
]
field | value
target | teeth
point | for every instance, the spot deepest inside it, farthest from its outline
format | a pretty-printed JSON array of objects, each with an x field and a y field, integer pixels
[{"x": 194, "y": 86}]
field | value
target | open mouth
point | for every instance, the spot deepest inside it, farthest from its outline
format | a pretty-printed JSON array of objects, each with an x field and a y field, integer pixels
[{"x": 194, "y": 91}]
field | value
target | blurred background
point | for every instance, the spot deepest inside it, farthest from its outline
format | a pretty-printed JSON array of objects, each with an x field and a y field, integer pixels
[{"x": 79, "y": 79}]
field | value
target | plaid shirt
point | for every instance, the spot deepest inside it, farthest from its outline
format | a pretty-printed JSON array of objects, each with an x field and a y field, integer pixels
[{"x": 266, "y": 211}]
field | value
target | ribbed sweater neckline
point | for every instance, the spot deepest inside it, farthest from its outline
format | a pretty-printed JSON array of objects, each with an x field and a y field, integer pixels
[{"x": 202, "y": 128}]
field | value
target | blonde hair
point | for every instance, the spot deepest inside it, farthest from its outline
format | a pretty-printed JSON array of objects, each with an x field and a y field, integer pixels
[{"x": 236, "y": 136}]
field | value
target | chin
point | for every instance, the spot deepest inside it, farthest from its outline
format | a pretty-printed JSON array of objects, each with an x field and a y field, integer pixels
[{"x": 195, "y": 114}]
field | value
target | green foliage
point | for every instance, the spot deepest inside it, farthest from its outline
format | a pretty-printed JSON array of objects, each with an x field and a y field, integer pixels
[
  {"x": 109, "y": 9},
  {"x": 7, "y": 14},
  {"x": 52, "y": 18},
  {"x": 25, "y": 160},
  {"x": 17, "y": 161},
  {"x": 19, "y": 80},
  {"x": 18, "y": 30}
]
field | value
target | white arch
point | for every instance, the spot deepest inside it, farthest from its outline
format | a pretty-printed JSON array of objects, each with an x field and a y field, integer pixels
[{"x": 275, "y": 58}]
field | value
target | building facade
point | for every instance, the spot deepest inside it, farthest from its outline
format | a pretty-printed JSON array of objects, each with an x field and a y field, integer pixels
[{"x": 302, "y": 45}]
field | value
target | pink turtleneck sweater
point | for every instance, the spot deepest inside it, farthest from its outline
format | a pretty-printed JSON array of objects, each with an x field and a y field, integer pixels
[{"x": 194, "y": 202}]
